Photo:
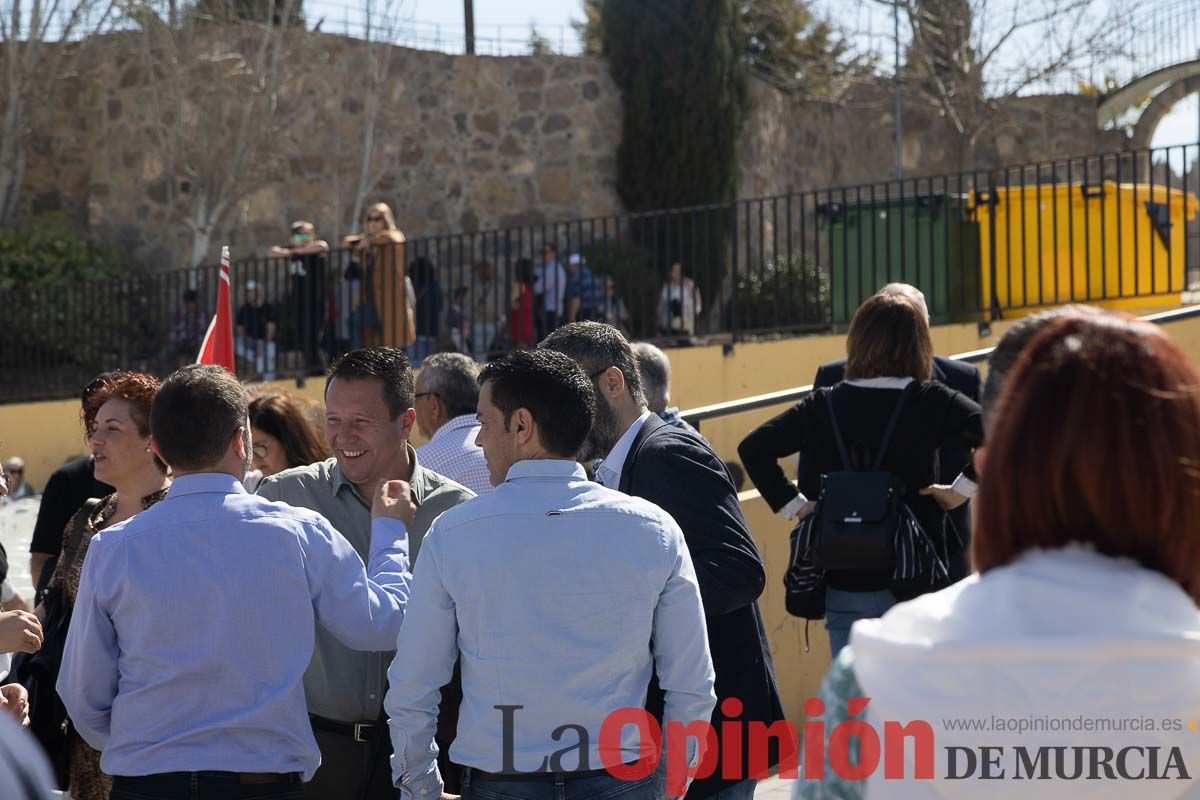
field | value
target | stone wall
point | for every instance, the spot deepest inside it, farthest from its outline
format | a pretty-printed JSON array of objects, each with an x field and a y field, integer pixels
[
  {"x": 464, "y": 143},
  {"x": 795, "y": 145},
  {"x": 468, "y": 143}
]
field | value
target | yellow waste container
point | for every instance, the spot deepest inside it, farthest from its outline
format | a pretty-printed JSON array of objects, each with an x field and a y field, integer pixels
[{"x": 1107, "y": 244}]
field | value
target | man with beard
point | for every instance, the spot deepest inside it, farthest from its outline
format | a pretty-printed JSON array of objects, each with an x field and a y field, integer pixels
[{"x": 677, "y": 471}]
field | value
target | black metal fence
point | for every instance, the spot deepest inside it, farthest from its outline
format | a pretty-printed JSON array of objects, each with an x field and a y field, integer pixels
[{"x": 1117, "y": 229}]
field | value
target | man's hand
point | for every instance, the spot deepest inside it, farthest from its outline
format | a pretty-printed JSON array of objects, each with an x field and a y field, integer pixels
[
  {"x": 20, "y": 632},
  {"x": 451, "y": 796},
  {"x": 394, "y": 499},
  {"x": 14, "y": 700},
  {"x": 945, "y": 496},
  {"x": 805, "y": 510}
]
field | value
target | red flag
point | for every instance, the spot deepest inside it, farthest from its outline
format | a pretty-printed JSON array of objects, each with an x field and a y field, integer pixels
[{"x": 218, "y": 340}]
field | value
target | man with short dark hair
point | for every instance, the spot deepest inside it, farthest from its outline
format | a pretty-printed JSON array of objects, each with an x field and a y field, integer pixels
[
  {"x": 369, "y": 415},
  {"x": 447, "y": 393},
  {"x": 194, "y": 620},
  {"x": 677, "y": 471},
  {"x": 559, "y": 596}
]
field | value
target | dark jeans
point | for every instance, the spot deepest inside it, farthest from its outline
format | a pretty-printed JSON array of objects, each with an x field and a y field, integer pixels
[
  {"x": 561, "y": 787},
  {"x": 206, "y": 786}
]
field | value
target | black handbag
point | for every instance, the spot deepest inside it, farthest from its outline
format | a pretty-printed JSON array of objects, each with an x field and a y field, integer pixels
[
  {"x": 38, "y": 672},
  {"x": 858, "y": 513}
]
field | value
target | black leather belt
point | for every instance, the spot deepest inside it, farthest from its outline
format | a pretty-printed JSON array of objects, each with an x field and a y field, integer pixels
[
  {"x": 535, "y": 776},
  {"x": 240, "y": 777},
  {"x": 358, "y": 731}
]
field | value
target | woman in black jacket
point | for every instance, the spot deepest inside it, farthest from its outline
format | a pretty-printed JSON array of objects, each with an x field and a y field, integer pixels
[{"x": 888, "y": 348}]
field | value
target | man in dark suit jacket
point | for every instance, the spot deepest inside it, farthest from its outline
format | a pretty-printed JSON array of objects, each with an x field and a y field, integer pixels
[
  {"x": 954, "y": 457},
  {"x": 677, "y": 471}
]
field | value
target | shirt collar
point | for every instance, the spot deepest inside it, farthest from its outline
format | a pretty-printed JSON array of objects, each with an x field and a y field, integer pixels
[
  {"x": 419, "y": 482},
  {"x": 546, "y": 468},
  {"x": 205, "y": 483},
  {"x": 880, "y": 383},
  {"x": 459, "y": 423},
  {"x": 615, "y": 460}
]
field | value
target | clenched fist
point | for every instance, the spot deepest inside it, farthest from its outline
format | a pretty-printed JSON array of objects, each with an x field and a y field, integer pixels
[{"x": 394, "y": 499}]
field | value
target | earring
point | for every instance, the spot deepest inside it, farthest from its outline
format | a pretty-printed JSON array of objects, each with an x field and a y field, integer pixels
[{"x": 147, "y": 448}]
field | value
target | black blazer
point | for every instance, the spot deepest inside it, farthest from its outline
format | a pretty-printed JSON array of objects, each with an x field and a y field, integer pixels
[
  {"x": 680, "y": 473},
  {"x": 953, "y": 457}
]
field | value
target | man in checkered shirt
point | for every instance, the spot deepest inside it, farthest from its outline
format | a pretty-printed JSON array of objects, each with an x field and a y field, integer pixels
[{"x": 447, "y": 394}]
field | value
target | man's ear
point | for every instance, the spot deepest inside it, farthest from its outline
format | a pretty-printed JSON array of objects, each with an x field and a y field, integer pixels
[
  {"x": 612, "y": 382},
  {"x": 522, "y": 425},
  {"x": 405, "y": 421},
  {"x": 157, "y": 452},
  {"x": 239, "y": 444}
]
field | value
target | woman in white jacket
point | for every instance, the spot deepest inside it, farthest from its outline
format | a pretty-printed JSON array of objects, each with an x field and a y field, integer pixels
[{"x": 1069, "y": 665}]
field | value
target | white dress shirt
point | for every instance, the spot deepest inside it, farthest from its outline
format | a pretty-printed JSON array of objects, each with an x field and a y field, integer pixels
[
  {"x": 558, "y": 596},
  {"x": 609, "y": 471},
  {"x": 452, "y": 452}
]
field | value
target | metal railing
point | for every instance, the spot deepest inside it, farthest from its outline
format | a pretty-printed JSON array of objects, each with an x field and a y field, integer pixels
[
  {"x": 696, "y": 416},
  {"x": 1112, "y": 229}
]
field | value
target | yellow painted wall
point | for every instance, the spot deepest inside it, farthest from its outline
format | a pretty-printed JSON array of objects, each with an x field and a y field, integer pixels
[
  {"x": 799, "y": 672},
  {"x": 46, "y": 434}
]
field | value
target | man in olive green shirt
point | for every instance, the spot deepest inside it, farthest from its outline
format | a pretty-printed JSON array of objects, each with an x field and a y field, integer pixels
[{"x": 369, "y": 415}]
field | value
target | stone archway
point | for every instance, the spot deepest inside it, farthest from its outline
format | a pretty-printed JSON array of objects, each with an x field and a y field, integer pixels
[{"x": 1159, "y": 107}]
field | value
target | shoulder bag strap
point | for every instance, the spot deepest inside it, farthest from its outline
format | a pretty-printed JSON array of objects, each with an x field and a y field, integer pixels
[
  {"x": 891, "y": 426},
  {"x": 837, "y": 431},
  {"x": 78, "y": 529}
]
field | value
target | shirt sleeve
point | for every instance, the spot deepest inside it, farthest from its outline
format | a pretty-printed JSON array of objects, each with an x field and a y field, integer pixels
[
  {"x": 778, "y": 437},
  {"x": 425, "y": 654},
  {"x": 363, "y": 608},
  {"x": 87, "y": 680},
  {"x": 681, "y": 657}
]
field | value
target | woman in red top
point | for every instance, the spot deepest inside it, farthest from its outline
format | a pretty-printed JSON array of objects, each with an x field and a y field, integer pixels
[{"x": 520, "y": 320}]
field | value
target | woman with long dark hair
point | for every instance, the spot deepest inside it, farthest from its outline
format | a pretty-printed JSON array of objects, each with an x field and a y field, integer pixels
[{"x": 283, "y": 436}]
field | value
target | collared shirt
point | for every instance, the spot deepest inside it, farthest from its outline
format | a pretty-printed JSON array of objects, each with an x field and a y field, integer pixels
[
  {"x": 193, "y": 627},
  {"x": 452, "y": 452},
  {"x": 559, "y": 596},
  {"x": 344, "y": 684},
  {"x": 609, "y": 471},
  {"x": 551, "y": 282}
]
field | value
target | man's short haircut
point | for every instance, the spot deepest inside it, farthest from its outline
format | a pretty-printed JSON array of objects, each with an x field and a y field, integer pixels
[
  {"x": 654, "y": 368},
  {"x": 195, "y": 413},
  {"x": 596, "y": 346},
  {"x": 389, "y": 365},
  {"x": 453, "y": 377},
  {"x": 1010, "y": 346},
  {"x": 552, "y": 388},
  {"x": 552, "y": 246}
]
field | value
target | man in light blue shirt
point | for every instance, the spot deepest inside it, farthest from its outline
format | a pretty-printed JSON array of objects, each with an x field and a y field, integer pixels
[
  {"x": 560, "y": 597},
  {"x": 194, "y": 621}
]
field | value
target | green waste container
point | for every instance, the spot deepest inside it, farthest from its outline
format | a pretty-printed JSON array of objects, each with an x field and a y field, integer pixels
[{"x": 930, "y": 241}]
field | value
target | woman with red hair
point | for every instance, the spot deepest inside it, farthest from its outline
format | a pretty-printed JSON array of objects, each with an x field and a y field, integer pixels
[
  {"x": 1074, "y": 652},
  {"x": 118, "y": 419}
]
